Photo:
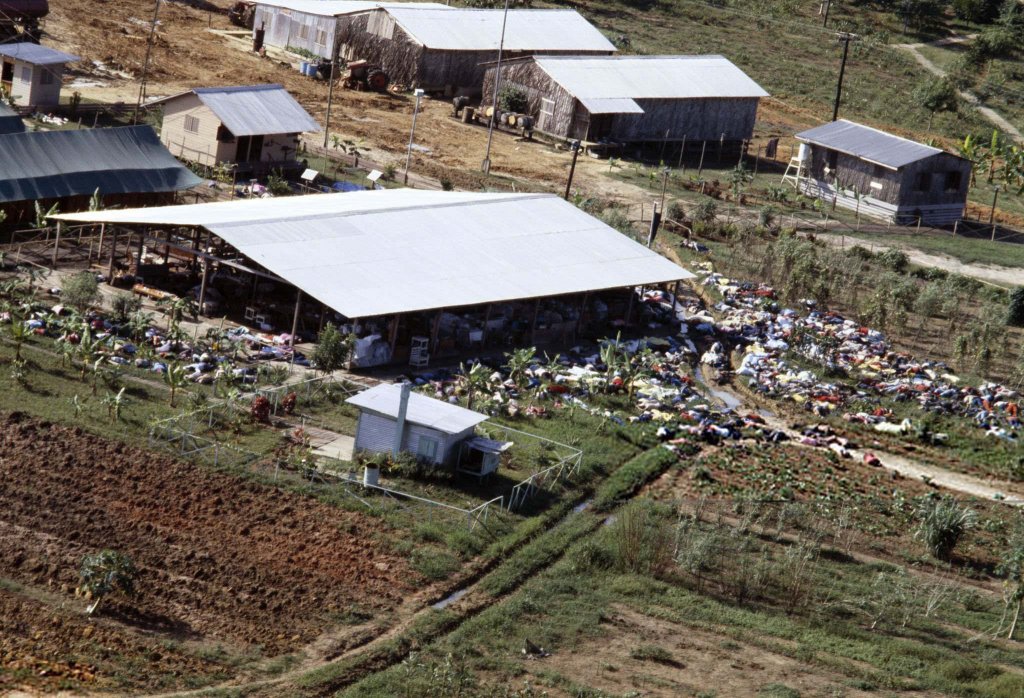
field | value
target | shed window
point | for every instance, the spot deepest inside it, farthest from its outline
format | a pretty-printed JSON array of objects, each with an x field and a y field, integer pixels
[
  {"x": 878, "y": 172},
  {"x": 954, "y": 180},
  {"x": 303, "y": 31},
  {"x": 547, "y": 106},
  {"x": 924, "y": 182},
  {"x": 427, "y": 448},
  {"x": 26, "y": 74},
  {"x": 192, "y": 124},
  {"x": 45, "y": 77},
  {"x": 321, "y": 37}
]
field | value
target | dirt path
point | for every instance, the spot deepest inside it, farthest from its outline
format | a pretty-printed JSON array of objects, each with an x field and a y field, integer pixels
[
  {"x": 1002, "y": 276},
  {"x": 993, "y": 116}
]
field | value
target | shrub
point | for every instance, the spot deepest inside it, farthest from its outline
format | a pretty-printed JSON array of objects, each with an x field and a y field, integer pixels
[
  {"x": 446, "y": 184},
  {"x": 617, "y": 218},
  {"x": 332, "y": 349},
  {"x": 81, "y": 290},
  {"x": 591, "y": 555},
  {"x": 1015, "y": 311},
  {"x": 766, "y": 216},
  {"x": 894, "y": 259},
  {"x": 512, "y": 98},
  {"x": 260, "y": 410},
  {"x": 104, "y": 573},
  {"x": 705, "y": 211},
  {"x": 860, "y": 252},
  {"x": 941, "y": 524},
  {"x": 652, "y": 653},
  {"x": 676, "y": 212},
  {"x": 124, "y": 305}
]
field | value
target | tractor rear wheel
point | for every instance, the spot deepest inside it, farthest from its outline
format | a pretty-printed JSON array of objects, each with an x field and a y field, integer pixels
[{"x": 377, "y": 80}]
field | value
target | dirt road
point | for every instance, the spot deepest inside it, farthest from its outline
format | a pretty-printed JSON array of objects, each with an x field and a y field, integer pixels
[
  {"x": 999, "y": 275},
  {"x": 992, "y": 115}
]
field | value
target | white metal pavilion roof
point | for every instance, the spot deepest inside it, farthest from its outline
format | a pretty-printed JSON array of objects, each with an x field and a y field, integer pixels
[
  {"x": 464, "y": 29},
  {"x": 611, "y": 83},
  {"x": 426, "y": 411},
  {"x": 374, "y": 253},
  {"x": 254, "y": 109}
]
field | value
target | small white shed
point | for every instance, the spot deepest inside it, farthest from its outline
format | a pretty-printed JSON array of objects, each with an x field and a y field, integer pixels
[
  {"x": 431, "y": 429},
  {"x": 31, "y": 74}
]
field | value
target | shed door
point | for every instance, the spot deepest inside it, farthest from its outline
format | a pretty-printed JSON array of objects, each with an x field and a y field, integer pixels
[
  {"x": 546, "y": 118},
  {"x": 580, "y": 123}
]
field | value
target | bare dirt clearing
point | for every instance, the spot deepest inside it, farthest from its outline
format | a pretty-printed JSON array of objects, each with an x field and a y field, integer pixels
[{"x": 221, "y": 560}]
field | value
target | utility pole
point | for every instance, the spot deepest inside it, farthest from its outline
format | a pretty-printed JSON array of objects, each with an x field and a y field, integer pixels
[
  {"x": 828, "y": 6},
  {"x": 486, "y": 165},
  {"x": 572, "y": 168},
  {"x": 330, "y": 86},
  {"x": 846, "y": 38},
  {"x": 145, "y": 64}
]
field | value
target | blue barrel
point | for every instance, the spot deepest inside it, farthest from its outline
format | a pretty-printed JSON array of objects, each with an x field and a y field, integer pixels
[{"x": 304, "y": 67}]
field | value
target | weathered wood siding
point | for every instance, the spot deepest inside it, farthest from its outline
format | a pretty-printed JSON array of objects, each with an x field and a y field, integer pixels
[
  {"x": 284, "y": 28},
  {"x": 709, "y": 119},
  {"x": 553, "y": 116},
  {"x": 374, "y": 36},
  {"x": 899, "y": 196},
  {"x": 696, "y": 119}
]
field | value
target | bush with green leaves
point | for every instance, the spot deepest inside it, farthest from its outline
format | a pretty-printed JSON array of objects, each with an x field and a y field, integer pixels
[
  {"x": 942, "y": 522},
  {"x": 332, "y": 349},
  {"x": 512, "y": 98},
  {"x": 104, "y": 573},
  {"x": 894, "y": 259},
  {"x": 1015, "y": 311},
  {"x": 705, "y": 211},
  {"x": 81, "y": 290},
  {"x": 124, "y": 305}
]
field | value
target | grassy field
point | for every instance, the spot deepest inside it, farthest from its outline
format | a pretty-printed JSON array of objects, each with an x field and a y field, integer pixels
[{"x": 967, "y": 250}]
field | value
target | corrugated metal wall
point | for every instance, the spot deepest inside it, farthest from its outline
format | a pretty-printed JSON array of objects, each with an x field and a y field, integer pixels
[
  {"x": 374, "y": 433},
  {"x": 284, "y": 28}
]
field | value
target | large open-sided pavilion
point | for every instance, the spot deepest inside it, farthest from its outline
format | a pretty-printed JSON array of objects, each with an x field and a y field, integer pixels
[{"x": 414, "y": 274}]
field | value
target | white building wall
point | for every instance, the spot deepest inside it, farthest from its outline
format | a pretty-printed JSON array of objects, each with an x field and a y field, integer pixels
[{"x": 36, "y": 85}]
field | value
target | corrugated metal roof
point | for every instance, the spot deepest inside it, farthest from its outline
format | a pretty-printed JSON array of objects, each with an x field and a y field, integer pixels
[
  {"x": 461, "y": 29},
  {"x": 649, "y": 77},
  {"x": 422, "y": 410},
  {"x": 868, "y": 143},
  {"x": 36, "y": 54},
  {"x": 336, "y": 8},
  {"x": 381, "y": 252},
  {"x": 611, "y": 105},
  {"x": 254, "y": 110},
  {"x": 10, "y": 122},
  {"x": 55, "y": 164}
]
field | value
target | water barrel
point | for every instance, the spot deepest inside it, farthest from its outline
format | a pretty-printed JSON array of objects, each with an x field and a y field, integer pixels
[{"x": 304, "y": 67}]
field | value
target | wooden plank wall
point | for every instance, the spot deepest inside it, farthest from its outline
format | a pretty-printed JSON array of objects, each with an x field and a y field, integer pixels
[{"x": 298, "y": 29}]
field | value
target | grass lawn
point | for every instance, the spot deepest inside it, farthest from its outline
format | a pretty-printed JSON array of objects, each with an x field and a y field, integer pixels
[{"x": 967, "y": 250}]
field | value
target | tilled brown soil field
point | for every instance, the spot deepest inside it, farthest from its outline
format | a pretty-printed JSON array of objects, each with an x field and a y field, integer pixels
[{"x": 222, "y": 561}]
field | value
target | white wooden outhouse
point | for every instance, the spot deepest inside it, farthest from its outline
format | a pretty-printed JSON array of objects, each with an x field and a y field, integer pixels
[
  {"x": 432, "y": 430},
  {"x": 31, "y": 74}
]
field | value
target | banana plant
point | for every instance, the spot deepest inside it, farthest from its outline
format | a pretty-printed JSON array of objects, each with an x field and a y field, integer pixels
[
  {"x": 42, "y": 215},
  {"x": 114, "y": 404},
  {"x": 517, "y": 362},
  {"x": 174, "y": 379},
  {"x": 96, "y": 201},
  {"x": 474, "y": 380},
  {"x": 19, "y": 333}
]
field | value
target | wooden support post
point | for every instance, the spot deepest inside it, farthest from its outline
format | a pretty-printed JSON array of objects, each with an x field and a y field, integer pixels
[
  {"x": 579, "y": 318},
  {"x": 138, "y": 253},
  {"x": 167, "y": 248},
  {"x": 675, "y": 299},
  {"x": 113, "y": 254},
  {"x": 533, "y": 326},
  {"x": 99, "y": 248},
  {"x": 56, "y": 243},
  {"x": 629, "y": 308},
  {"x": 295, "y": 322},
  {"x": 700, "y": 165},
  {"x": 487, "y": 319},
  {"x": 323, "y": 317},
  {"x": 435, "y": 330},
  {"x": 394, "y": 333},
  {"x": 203, "y": 283}
]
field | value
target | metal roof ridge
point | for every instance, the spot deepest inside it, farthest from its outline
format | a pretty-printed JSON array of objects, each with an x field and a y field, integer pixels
[
  {"x": 884, "y": 133},
  {"x": 364, "y": 211},
  {"x": 663, "y": 56},
  {"x": 236, "y": 88}
]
